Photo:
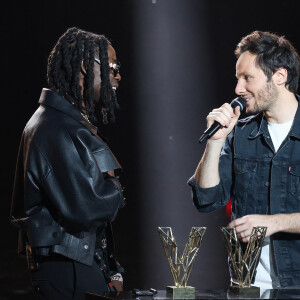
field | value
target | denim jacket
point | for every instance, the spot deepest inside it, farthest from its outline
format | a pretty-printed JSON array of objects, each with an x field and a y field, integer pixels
[{"x": 260, "y": 181}]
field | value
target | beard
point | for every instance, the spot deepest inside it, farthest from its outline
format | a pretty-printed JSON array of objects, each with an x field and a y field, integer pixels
[{"x": 266, "y": 98}]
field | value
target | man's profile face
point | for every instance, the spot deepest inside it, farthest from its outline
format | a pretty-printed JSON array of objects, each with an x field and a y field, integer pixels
[
  {"x": 253, "y": 85},
  {"x": 114, "y": 80}
]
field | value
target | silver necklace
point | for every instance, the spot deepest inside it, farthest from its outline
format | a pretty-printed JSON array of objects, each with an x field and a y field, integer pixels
[{"x": 86, "y": 117}]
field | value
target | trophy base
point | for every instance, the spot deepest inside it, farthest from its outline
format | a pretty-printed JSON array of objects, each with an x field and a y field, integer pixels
[
  {"x": 181, "y": 292},
  {"x": 245, "y": 292}
]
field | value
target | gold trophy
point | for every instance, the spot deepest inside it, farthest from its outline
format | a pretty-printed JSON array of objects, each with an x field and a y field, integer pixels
[
  {"x": 244, "y": 264},
  {"x": 178, "y": 262}
]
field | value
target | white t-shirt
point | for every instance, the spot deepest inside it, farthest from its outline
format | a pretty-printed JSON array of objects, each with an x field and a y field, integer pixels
[
  {"x": 265, "y": 275},
  {"x": 279, "y": 132}
]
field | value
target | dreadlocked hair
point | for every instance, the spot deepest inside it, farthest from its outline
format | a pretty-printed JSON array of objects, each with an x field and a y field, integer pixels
[{"x": 73, "y": 48}]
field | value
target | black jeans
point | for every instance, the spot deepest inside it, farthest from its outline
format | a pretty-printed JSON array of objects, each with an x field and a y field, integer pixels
[{"x": 61, "y": 278}]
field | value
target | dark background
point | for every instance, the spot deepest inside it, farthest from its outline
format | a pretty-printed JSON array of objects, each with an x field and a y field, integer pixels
[{"x": 177, "y": 64}]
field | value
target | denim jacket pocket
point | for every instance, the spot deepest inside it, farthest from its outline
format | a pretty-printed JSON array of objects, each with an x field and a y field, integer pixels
[
  {"x": 294, "y": 180},
  {"x": 244, "y": 171}
]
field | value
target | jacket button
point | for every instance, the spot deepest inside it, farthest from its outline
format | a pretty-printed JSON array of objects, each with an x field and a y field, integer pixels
[
  {"x": 86, "y": 247},
  {"x": 271, "y": 154},
  {"x": 54, "y": 234},
  {"x": 267, "y": 183}
]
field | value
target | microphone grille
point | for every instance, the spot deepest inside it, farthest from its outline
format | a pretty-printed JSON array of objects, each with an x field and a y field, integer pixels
[{"x": 239, "y": 101}]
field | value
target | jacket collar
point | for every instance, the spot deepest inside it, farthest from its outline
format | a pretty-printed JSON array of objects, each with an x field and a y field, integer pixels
[
  {"x": 263, "y": 126},
  {"x": 262, "y": 129},
  {"x": 295, "y": 131},
  {"x": 53, "y": 99}
]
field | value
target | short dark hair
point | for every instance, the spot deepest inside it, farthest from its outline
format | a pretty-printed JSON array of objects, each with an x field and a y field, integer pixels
[
  {"x": 64, "y": 64},
  {"x": 273, "y": 52}
]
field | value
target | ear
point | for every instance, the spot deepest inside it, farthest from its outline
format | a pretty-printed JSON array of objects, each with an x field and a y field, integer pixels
[
  {"x": 280, "y": 76},
  {"x": 83, "y": 69}
]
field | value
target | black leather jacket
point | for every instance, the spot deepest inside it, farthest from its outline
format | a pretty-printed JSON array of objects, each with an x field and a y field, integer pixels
[{"x": 62, "y": 192}]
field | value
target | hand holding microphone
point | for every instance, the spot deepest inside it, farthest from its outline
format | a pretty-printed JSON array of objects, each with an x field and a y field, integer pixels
[{"x": 221, "y": 121}]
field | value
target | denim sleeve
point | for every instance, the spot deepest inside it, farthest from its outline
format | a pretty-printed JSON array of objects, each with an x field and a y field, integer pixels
[{"x": 210, "y": 199}]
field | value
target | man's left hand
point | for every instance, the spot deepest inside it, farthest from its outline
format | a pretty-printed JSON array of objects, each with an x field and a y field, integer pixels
[{"x": 118, "y": 285}]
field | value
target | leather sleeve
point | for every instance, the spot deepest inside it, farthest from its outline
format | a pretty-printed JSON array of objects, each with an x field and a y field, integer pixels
[{"x": 78, "y": 194}]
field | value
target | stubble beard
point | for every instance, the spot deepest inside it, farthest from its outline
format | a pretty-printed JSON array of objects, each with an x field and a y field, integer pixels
[{"x": 266, "y": 99}]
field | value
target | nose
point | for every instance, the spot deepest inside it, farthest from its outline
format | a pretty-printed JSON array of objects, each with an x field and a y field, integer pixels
[
  {"x": 118, "y": 77},
  {"x": 240, "y": 88}
]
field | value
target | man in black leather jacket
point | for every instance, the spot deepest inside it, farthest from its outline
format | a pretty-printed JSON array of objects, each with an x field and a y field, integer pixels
[{"x": 65, "y": 192}]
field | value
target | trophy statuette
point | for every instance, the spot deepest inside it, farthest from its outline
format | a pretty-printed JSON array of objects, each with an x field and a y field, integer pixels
[
  {"x": 181, "y": 262},
  {"x": 244, "y": 264}
]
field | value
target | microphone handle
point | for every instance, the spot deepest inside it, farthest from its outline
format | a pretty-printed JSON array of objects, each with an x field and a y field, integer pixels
[{"x": 209, "y": 132}]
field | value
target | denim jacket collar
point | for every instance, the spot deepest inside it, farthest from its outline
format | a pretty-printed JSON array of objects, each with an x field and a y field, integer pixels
[
  {"x": 295, "y": 131},
  {"x": 263, "y": 126}
]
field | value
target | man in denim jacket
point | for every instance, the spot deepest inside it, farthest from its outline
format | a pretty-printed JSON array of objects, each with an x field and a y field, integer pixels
[{"x": 256, "y": 161}]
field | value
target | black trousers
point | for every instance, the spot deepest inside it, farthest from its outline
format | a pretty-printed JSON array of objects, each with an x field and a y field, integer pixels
[{"x": 62, "y": 278}]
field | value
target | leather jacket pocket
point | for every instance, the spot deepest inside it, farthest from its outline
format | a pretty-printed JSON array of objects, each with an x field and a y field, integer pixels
[
  {"x": 244, "y": 171},
  {"x": 294, "y": 180}
]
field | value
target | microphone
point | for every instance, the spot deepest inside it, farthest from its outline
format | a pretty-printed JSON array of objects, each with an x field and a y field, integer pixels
[{"x": 209, "y": 132}]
